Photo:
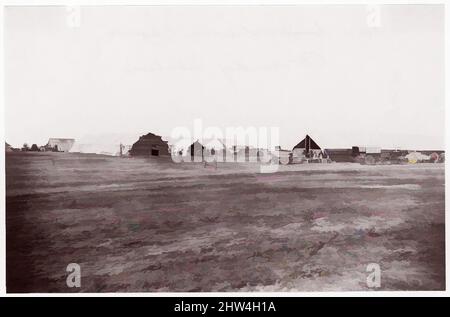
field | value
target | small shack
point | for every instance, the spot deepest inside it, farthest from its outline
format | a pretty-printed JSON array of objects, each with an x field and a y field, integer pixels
[
  {"x": 215, "y": 149},
  {"x": 282, "y": 156},
  {"x": 245, "y": 153},
  {"x": 149, "y": 145},
  {"x": 196, "y": 151}
]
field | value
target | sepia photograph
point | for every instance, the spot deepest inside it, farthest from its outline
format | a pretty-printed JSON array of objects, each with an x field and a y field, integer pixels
[{"x": 224, "y": 148}]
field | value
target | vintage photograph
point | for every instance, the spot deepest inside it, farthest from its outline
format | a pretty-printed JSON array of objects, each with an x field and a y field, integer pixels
[{"x": 240, "y": 148}]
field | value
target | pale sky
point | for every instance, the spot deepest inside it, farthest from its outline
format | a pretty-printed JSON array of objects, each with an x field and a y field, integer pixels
[{"x": 329, "y": 71}]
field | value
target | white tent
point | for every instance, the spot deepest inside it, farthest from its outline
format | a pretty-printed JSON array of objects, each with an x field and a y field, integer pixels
[{"x": 106, "y": 144}]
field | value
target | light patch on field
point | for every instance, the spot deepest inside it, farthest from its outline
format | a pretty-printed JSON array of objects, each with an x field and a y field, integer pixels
[
  {"x": 324, "y": 225},
  {"x": 194, "y": 244},
  {"x": 402, "y": 186},
  {"x": 117, "y": 267},
  {"x": 366, "y": 223},
  {"x": 403, "y": 272},
  {"x": 359, "y": 223},
  {"x": 288, "y": 230}
]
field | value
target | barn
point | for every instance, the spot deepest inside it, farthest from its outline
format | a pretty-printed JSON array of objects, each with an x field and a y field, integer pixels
[{"x": 149, "y": 145}]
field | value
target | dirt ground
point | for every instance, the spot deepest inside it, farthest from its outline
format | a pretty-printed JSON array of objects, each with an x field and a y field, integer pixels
[{"x": 138, "y": 225}]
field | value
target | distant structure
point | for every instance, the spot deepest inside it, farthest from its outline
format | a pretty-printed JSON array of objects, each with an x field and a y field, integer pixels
[
  {"x": 364, "y": 150},
  {"x": 377, "y": 155},
  {"x": 215, "y": 147},
  {"x": 102, "y": 149},
  {"x": 149, "y": 145},
  {"x": 196, "y": 151},
  {"x": 307, "y": 148},
  {"x": 124, "y": 150},
  {"x": 59, "y": 145},
  {"x": 9, "y": 148},
  {"x": 34, "y": 148},
  {"x": 283, "y": 156},
  {"x": 341, "y": 155},
  {"x": 417, "y": 157},
  {"x": 111, "y": 144},
  {"x": 241, "y": 153}
]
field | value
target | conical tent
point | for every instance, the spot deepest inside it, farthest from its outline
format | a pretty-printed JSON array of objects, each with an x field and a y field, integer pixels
[{"x": 308, "y": 144}]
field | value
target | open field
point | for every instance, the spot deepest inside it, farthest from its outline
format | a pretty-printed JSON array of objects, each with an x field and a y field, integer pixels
[{"x": 151, "y": 225}]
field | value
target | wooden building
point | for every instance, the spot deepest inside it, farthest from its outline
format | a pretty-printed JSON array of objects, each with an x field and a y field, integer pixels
[
  {"x": 196, "y": 151},
  {"x": 149, "y": 145}
]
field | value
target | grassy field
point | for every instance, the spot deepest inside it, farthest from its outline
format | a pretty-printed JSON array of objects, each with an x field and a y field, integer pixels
[{"x": 150, "y": 225}]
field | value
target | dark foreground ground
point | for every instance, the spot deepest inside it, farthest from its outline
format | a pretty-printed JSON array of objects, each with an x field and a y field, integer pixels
[{"x": 148, "y": 225}]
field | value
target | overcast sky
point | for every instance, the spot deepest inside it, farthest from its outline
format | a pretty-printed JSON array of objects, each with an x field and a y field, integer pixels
[{"x": 338, "y": 73}]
